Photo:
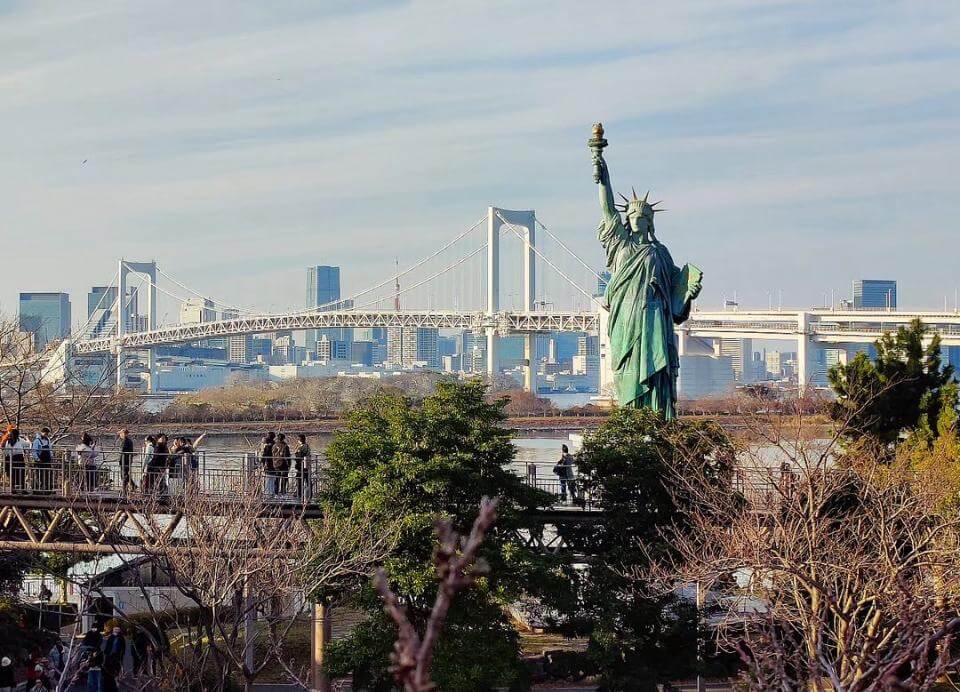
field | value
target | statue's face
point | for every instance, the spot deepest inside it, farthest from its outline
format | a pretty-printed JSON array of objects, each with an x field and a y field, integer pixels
[{"x": 640, "y": 223}]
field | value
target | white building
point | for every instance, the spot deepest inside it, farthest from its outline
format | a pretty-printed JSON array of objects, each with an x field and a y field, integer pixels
[{"x": 704, "y": 376}]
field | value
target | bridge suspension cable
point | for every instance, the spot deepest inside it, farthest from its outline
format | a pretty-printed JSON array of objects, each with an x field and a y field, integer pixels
[
  {"x": 216, "y": 303},
  {"x": 449, "y": 267},
  {"x": 571, "y": 252},
  {"x": 395, "y": 277},
  {"x": 515, "y": 229}
]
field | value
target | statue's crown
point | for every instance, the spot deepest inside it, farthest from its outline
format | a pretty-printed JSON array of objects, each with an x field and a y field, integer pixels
[{"x": 639, "y": 205}]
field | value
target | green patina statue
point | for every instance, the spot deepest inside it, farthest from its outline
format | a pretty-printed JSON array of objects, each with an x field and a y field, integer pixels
[{"x": 646, "y": 295}]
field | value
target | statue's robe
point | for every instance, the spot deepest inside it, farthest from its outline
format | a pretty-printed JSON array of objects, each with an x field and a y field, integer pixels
[{"x": 646, "y": 295}]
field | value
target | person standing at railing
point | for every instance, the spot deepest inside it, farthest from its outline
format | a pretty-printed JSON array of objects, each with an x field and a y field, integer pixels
[
  {"x": 191, "y": 461},
  {"x": 126, "y": 459},
  {"x": 149, "y": 481},
  {"x": 266, "y": 461},
  {"x": 301, "y": 457},
  {"x": 87, "y": 455},
  {"x": 175, "y": 464},
  {"x": 42, "y": 451},
  {"x": 564, "y": 469},
  {"x": 15, "y": 452},
  {"x": 161, "y": 460},
  {"x": 281, "y": 463}
]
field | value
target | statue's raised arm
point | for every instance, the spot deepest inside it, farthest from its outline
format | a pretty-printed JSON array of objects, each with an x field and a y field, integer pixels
[{"x": 601, "y": 174}]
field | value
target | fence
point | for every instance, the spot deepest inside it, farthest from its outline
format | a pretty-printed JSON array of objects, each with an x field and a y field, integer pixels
[
  {"x": 220, "y": 474},
  {"x": 114, "y": 474}
]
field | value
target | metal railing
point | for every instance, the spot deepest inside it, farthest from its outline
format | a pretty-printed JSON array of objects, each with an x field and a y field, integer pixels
[
  {"x": 222, "y": 474},
  {"x": 112, "y": 474}
]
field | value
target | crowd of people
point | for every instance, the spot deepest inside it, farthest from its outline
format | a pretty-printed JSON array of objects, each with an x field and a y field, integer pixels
[{"x": 163, "y": 464}]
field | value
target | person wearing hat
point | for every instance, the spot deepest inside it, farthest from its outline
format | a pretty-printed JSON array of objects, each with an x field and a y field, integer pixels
[{"x": 8, "y": 683}]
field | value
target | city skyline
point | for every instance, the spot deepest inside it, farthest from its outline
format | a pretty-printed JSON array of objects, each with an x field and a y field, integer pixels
[{"x": 825, "y": 149}]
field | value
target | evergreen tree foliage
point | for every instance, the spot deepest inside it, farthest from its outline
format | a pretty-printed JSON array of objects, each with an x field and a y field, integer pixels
[
  {"x": 633, "y": 466},
  {"x": 422, "y": 461},
  {"x": 905, "y": 387}
]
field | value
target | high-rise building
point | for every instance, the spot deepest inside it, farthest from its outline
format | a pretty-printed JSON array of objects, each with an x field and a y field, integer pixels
[
  {"x": 102, "y": 311},
  {"x": 587, "y": 360},
  {"x": 323, "y": 290},
  {"x": 197, "y": 311},
  {"x": 409, "y": 346},
  {"x": 703, "y": 376},
  {"x": 362, "y": 352},
  {"x": 240, "y": 348},
  {"x": 46, "y": 316},
  {"x": 874, "y": 294},
  {"x": 740, "y": 352}
]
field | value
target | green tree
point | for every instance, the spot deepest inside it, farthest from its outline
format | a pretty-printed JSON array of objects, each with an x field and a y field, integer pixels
[
  {"x": 421, "y": 461},
  {"x": 904, "y": 388},
  {"x": 633, "y": 466}
]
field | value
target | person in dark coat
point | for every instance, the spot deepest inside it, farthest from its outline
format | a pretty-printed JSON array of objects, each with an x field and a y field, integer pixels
[
  {"x": 114, "y": 647},
  {"x": 8, "y": 681}
]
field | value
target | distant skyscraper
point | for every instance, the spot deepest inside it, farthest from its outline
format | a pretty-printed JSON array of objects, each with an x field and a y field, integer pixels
[
  {"x": 740, "y": 353},
  {"x": 240, "y": 348},
  {"x": 102, "y": 311},
  {"x": 874, "y": 294},
  {"x": 46, "y": 316},
  {"x": 197, "y": 311},
  {"x": 406, "y": 346},
  {"x": 323, "y": 289}
]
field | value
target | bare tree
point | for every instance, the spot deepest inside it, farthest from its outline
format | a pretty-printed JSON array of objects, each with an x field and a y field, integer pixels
[
  {"x": 232, "y": 557},
  {"x": 41, "y": 388},
  {"x": 827, "y": 569}
]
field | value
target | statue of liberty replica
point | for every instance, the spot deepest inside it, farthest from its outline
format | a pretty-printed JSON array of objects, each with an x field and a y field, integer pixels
[{"x": 647, "y": 294}]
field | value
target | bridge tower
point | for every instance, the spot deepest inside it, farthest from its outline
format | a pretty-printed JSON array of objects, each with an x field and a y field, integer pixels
[
  {"x": 525, "y": 222},
  {"x": 148, "y": 269}
]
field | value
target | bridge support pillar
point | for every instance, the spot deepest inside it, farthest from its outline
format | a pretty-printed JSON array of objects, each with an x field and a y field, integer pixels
[
  {"x": 493, "y": 358},
  {"x": 607, "y": 390},
  {"x": 320, "y": 637},
  {"x": 530, "y": 363},
  {"x": 806, "y": 353}
]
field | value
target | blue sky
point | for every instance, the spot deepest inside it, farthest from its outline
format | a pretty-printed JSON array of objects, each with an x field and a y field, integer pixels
[{"x": 797, "y": 145}]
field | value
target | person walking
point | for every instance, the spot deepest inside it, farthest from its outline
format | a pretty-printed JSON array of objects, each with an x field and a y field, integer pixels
[
  {"x": 15, "y": 452},
  {"x": 266, "y": 461},
  {"x": 8, "y": 681},
  {"x": 301, "y": 457},
  {"x": 281, "y": 464},
  {"x": 564, "y": 469},
  {"x": 126, "y": 459},
  {"x": 42, "y": 452}
]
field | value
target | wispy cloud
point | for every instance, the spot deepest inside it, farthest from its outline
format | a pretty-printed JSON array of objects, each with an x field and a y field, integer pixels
[{"x": 260, "y": 138}]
